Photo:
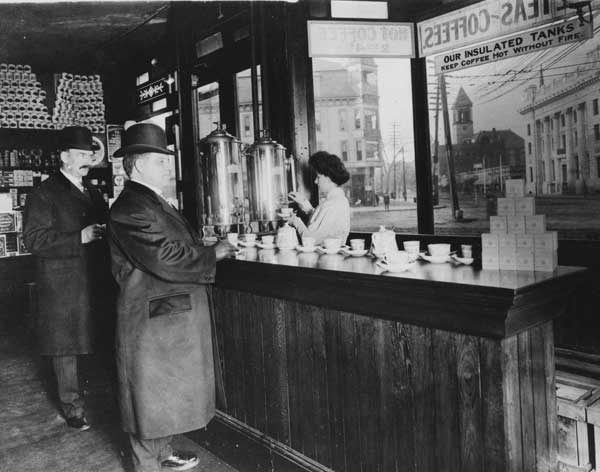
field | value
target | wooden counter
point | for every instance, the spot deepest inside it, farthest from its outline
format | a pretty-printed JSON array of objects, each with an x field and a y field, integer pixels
[{"x": 339, "y": 366}]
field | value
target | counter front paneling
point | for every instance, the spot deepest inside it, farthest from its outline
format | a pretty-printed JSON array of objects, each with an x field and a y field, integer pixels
[{"x": 343, "y": 367}]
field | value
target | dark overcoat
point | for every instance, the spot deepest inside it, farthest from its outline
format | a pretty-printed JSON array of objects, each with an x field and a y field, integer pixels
[
  {"x": 73, "y": 279},
  {"x": 163, "y": 342}
]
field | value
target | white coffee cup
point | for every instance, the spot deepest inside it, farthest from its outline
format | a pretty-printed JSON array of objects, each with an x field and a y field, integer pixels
[
  {"x": 250, "y": 237},
  {"x": 268, "y": 240},
  {"x": 308, "y": 242},
  {"x": 397, "y": 258},
  {"x": 357, "y": 244},
  {"x": 466, "y": 251},
  {"x": 439, "y": 250},
  {"x": 332, "y": 243},
  {"x": 412, "y": 247},
  {"x": 232, "y": 238}
]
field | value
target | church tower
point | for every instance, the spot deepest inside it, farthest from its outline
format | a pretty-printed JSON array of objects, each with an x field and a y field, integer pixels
[{"x": 462, "y": 118}]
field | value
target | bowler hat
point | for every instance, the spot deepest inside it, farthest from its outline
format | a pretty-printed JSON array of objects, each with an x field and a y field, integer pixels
[
  {"x": 76, "y": 137},
  {"x": 143, "y": 137}
]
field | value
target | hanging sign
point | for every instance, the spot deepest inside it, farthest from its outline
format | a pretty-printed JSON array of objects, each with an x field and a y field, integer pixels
[
  {"x": 486, "y": 20},
  {"x": 152, "y": 91},
  {"x": 360, "y": 39},
  {"x": 521, "y": 43}
]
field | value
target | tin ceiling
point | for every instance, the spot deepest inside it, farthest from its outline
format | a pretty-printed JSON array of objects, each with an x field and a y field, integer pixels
[
  {"x": 69, "y": 36},
  {"x": 79, "y": 36}
]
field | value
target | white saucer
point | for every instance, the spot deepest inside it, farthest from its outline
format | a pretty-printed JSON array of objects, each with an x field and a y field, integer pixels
[
  {"x": 435, "y": 259},
  {"x": 395, "y": 268},
  {"x": 247, "y": 244},
  {"x": 463, "y": 260},
  {"x": 354, "y": 253},
  {"x": 266, "y": 246},
  {"x": 306, "y": 249},
  {"x": 327, "y": 251},
  {"x": 285, "y": 248}
]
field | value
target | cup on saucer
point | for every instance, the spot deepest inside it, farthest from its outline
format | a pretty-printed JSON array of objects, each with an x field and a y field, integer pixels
[
  {"x": 232, "y": 238},
  {"x": 268, "y": 240},
  {"x": 439, "y": 250},
  {"x": 308, "y": 242},
  {"x": 412, "y": 247},
  {"x": 286, "y": 212},
  {"x": 331, "y": 244},
  {"x": 357, "y": 244},
  {"x": 466, "y": 251}
]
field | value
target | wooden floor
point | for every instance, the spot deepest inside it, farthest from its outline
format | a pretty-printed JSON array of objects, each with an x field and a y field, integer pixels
[{"x": 33, "y": 435}]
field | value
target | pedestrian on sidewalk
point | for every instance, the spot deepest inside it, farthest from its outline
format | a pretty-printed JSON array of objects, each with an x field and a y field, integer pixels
[{"x": 386, "y": 201}]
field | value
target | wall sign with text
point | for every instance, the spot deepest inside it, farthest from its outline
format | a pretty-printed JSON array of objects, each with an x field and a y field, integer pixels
[
  {"x": 540, "y": 38},
  {"x": 360, "y": 39},
  {"x": 486, "y": 20},
  {"x": 152, "y": 91}
]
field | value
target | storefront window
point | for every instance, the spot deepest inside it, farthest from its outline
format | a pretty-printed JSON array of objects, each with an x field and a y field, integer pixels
[
  {"x": 532, "y": 117},
  {"x": 368, "y": 102},
  {"x": 207, "y": 102},
  {"x": 244, "y": 99}
]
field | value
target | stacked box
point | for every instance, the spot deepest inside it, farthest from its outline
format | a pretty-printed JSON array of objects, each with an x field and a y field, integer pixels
[
  {"x": 22, "y": 99},
  {"x": 518, "y": 239},
  {"x": 514, "y": 187},
  {"x": 498, "y": 224},
  {"x": 79, "y": 101}
]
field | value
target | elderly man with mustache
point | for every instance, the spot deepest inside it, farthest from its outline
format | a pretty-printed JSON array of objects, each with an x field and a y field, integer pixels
[{"x": 64, "y": 227}]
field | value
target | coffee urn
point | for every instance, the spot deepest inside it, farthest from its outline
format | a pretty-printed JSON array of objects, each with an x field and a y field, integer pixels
[
  {"x": 267, "y": 181},
  {"x": 222, "y": 183}
]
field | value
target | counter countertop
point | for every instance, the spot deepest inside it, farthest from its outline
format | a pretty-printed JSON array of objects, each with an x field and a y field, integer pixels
[{"x": 446, "y": 296}]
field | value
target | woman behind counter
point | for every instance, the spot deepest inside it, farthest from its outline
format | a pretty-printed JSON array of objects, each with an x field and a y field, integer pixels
[{"x": 331, "y": 218}]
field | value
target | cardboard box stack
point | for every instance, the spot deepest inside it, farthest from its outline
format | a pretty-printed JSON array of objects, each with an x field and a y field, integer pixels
[
  {"x": 518, "y": 239},
  {"x": 79, "y": 101},
  {"x": 22, "y": 99}
]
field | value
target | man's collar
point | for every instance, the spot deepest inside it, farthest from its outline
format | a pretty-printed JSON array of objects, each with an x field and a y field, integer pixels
[
  {"x": 156, "y": 190},
  {"x": 72, "y": 179}
]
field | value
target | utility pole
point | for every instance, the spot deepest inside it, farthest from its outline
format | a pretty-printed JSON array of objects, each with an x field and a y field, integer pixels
[
  {"x": 450, "y": 157},
  {"x": 394, "y": 147},
  {"x": 403, "y": 175},
  {"x": 436, "y": 145}
]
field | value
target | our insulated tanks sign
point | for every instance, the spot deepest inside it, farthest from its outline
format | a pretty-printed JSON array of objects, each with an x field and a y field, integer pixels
[
  {"x": 510, "y": 46},
  {"x": 483, "y": 21},
  {"x": 360, "y": 39}
]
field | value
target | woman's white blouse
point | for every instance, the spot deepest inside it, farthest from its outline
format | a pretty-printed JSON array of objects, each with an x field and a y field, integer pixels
[{"x": 331, "y": 218}]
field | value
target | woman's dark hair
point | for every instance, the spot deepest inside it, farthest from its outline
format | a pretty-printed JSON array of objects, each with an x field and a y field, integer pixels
[{"x": 329, "y": 165}]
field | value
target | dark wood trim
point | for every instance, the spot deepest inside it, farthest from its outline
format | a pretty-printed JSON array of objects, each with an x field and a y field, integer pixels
[
  {"x": 248, "y": 450},
  {"x": 459, "y": 307},
  {"x": 420, "y": 109},
  {"x": 364, "y": 393}
]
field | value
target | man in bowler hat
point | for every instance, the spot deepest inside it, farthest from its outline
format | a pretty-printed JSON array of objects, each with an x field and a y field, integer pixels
[
  {"x": 164, "y": 342},
  {"x": 63, "y": 227}
]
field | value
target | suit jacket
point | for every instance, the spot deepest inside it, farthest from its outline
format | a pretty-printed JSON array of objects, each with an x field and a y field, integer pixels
[
  {"x": 163, "y": 342},
  {"x": 73, "y": 279}
]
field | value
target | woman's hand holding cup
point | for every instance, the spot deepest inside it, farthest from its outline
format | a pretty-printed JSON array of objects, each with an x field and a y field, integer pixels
[{"x": 301, "y": 200}]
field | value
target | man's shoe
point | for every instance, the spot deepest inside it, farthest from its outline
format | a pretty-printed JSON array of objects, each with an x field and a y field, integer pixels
[
  {"x": 78, "y": 422},
  {"x": 180, "y": 461}
]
